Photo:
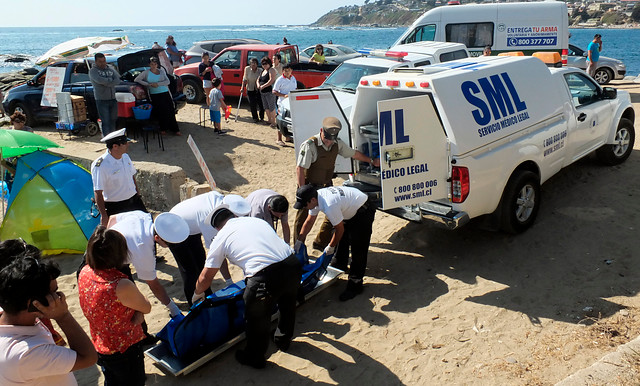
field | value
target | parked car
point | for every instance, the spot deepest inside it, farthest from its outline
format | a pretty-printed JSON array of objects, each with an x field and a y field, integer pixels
[
  {"x": 608, "y": 68},
  {"x": 26, "y": 97},
  {"x": 194, "y": 54},
  {"x": 333, "y": 53},
  {"x": 232, "y": 61}
]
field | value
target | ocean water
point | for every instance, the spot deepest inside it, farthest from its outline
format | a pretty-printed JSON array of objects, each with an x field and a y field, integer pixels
[{"x": 618, "y": 43}]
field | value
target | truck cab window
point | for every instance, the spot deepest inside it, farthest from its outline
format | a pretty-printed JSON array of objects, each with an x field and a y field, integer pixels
[
  {"x": 424, "y": 33},
  {"x": 583, "y": 91},
  {"x": 229, "y": 60},
  {"x": 470, "y": 34},
  {"x": 455, "y": 55}
]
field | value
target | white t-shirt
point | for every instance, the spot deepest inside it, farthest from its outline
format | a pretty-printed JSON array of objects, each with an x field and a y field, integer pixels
[
  {"x": 195, "y": 210},
  {"x": 114, "y": 177},
  {"x": 284, "y": 86},
  {"x": 137, "y": 229},
  {"x": 248, "y": 242},
  {"x": 28, "y": 356},
  {"x": 339, "y": 203}
]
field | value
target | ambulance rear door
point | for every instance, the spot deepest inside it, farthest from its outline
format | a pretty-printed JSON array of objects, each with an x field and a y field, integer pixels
[
  {"x": 308, "y": 109},
  {"x": 414, "y": 155}
]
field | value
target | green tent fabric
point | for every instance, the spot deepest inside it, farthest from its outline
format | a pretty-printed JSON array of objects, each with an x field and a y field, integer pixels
[{"x": 50, "y": 204}]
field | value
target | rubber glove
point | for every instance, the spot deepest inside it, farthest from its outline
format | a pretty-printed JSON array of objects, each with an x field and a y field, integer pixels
[
  {"x": 297, "y": 245},
  {"x": 329, "y": 250},
  {"x": 197, "y": 297}
]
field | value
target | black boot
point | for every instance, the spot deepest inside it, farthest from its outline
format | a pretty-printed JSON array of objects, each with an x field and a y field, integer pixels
[{"x": 354, "y": 288}]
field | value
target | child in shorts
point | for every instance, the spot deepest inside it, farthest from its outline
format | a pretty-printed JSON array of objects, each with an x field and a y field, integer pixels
[{"x": 216, "y": 101}]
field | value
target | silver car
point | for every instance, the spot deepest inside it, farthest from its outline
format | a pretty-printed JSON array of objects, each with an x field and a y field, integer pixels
[
  {"x": 333, "y": 53},
  {"x": 608, "y": 68},
  {"x": 194, "y": 54}
]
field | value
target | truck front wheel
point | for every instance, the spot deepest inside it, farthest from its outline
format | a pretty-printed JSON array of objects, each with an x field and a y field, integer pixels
[
  {"x": 520, "y": 202},
  {"x": 618, "y": 152},
  {"x": 192, "y": 90}
]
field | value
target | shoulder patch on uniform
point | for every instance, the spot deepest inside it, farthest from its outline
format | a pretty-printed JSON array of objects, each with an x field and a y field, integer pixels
[
  {"x": 302, "y": 152},
  {"x": 310, "y": 141},
  {"x": 99, "y": 161}
]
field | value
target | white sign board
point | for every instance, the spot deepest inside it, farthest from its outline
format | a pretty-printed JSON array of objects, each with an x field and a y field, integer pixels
[
  {"x": 52, "y": 85},
  {"x": 414, "y": 162},
  {"x": 201, "y": 163}
]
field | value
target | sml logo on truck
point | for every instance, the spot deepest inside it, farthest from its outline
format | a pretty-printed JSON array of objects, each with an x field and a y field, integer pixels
[
  {"x": 498, "y": 105},
  {"x": 420, "y": 185}
]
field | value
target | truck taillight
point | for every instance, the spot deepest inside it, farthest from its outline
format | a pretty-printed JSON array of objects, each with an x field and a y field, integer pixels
[
  {"x": 565, "y": 56},
  {"x": 459, "y": 183}
]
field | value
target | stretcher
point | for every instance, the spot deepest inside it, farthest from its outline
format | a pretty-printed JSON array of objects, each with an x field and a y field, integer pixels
[{"x": 164, "y": 354}]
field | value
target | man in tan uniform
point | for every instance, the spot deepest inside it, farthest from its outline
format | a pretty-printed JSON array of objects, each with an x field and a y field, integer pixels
[{"x": 315, "y": 165}]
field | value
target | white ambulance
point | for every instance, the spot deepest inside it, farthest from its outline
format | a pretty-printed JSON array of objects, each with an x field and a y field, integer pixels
[
  {"x": 474, "y": 137},
  {"x": 526, "y": 27}
]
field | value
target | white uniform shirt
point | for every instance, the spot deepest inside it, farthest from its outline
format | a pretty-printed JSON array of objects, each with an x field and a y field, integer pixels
[
  {"x": 137, "y": 229},
  {"x": 284, "y": 86},
  {"x": 248, "y": 242},
  {"x": 339, "y": 203},
  {"x": 195, "y": 210},
  {"x": 29, "y": 356},
  {"x": 114, "y": 177}
]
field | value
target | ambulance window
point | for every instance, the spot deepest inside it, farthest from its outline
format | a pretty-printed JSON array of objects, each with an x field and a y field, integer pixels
[
  {"x": 455, "y": 55},
  {"x": 424, "y": 33},
  {"x": 583, "y": 90},
  {"x": 470, "y": 34}
]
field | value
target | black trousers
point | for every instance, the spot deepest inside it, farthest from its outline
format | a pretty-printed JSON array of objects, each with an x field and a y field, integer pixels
[
  {"x": 164, "y": 111},
  {"x": 132, "y": 203},
  {"x": 276, "y": 284},
  {"x": 255, "y": 104},
  {"x": 357, "y": 236},
  {"x": 190, "y": 256},
  {"x": 124, "y": 369}
]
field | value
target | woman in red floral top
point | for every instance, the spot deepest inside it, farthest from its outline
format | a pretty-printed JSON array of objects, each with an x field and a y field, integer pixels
[{"x": 114, "y": 307}]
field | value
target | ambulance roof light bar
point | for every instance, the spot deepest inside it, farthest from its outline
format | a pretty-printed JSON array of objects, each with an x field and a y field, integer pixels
[{"x": 399, "y": 55}]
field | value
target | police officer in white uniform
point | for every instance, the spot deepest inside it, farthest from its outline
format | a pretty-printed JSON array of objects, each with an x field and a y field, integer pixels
[
  {"x": 141, "y": 233},
  {"x": 190, "y": 254},
  {"x": 272, "y": 275},
  {"x": 114, "y": 181},
  {"x": 351, "y": 214}
]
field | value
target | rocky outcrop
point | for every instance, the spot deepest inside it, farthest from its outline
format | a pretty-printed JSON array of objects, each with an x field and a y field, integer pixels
[
  {"x": 11, "y": 79},
  {"x": 377, "y": 13}
]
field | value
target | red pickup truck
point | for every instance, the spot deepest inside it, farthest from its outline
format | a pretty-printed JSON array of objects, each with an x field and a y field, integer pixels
[{"x": 233, "y": 60}]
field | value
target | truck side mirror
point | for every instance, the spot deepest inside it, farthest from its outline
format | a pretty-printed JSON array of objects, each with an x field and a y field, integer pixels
[{"x": 609, "y": 93}]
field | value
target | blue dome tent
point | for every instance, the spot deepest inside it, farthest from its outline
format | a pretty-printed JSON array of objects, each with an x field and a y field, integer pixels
[{"x": 50, "y": 204}]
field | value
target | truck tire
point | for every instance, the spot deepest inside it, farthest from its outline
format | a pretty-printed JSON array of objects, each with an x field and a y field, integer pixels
[
  {"x": 192, "y": 90},
  {"x": 621, "y": 150},
  {"x": 520, "y": 202},
  {"x": 21, "y": 107},
  {"x": 603, "y": 75}
]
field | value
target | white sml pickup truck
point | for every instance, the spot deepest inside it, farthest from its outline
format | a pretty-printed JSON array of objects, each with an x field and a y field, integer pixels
[{"x": 478, "y": 136}]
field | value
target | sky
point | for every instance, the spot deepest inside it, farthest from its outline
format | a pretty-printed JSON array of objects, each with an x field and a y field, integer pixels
[{"x": 59, "y": 13}]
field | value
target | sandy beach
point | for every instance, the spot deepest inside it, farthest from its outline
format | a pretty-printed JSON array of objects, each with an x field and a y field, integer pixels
[{"x": 439, "y": 307}]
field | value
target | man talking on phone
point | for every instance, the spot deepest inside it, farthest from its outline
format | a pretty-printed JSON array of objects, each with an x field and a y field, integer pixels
[{"x": 28, "y": 354}]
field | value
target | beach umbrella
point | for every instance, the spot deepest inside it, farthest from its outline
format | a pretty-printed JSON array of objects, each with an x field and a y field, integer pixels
[
  {"x": 82, "y": 47},
  {"x": 14, "y": 143}
]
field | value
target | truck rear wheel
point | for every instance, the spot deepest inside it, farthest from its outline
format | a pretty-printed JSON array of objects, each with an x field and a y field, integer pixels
[
  {"x": 618, "y": 152},
  {"x": 192, "y": 90},
  {"x": 520, "y": 202}
]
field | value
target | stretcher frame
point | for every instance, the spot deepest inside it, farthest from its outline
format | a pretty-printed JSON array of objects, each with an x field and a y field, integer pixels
[{"x": 164, "y": 359}]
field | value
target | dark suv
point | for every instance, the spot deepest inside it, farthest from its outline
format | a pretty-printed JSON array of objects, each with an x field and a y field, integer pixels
[{"x": 26, "y": 97}]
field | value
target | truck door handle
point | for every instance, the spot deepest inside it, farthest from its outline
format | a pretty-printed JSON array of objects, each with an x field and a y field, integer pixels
[
  {"x": 582, "y": 117},
  {"x": 236, "y": 75}
]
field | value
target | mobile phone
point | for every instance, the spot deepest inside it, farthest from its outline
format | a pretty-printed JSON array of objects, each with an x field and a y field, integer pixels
[{"x": 43, "y": 301}]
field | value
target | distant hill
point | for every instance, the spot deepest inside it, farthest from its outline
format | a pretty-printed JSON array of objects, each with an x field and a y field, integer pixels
[{"x": 377, "y": 13}]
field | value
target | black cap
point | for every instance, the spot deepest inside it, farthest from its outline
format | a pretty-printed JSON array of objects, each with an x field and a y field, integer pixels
[{"x": 304, "y": 194}]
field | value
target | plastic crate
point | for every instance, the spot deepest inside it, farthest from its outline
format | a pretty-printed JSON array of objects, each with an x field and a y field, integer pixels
[{"x": 142, "y": 112}]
